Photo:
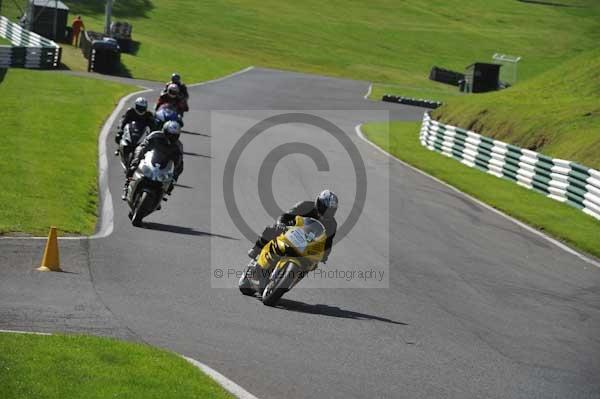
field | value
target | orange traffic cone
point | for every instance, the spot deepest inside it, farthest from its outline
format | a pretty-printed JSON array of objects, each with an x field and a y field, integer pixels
[{"x": 50, "y": 261}]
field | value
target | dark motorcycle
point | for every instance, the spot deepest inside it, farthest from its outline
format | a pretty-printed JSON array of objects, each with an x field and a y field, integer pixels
[
  {"x": 165, "y": 113},
  {"x": 133, "y": 135}
]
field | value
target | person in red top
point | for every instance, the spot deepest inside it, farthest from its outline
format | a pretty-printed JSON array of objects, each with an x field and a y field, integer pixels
[
  {"x": 77, "y": 26},
  {"x": 172, "y": 98}
]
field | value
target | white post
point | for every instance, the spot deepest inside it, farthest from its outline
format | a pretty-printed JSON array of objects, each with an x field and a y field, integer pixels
[
  {"x": 109, "y": 4},
  {"x": 30, "y": 12}
]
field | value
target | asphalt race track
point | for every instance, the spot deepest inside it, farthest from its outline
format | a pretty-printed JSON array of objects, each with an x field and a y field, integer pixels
[{"x": 475, "y": 306}]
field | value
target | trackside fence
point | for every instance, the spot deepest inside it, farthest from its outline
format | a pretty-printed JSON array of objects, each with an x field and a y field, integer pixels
[
  {"x": 28, "y": 49},
  {"x": 564, "y": 181}
]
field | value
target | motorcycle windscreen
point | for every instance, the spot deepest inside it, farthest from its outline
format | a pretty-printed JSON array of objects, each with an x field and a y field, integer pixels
[
  {"x": 313, "y": 229},
  {"x": 303, "y": 236},
  {"x": 157, "y": 166},
  {"x": 158, "y": 158},
  {"x": 133, "y": 132},
  {"x": 166, "y": 113}
]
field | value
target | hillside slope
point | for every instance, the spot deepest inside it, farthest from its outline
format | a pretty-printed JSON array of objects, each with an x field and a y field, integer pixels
[
  {"x": 556, "y": 113},
  {"x": 386, "y": 41}
]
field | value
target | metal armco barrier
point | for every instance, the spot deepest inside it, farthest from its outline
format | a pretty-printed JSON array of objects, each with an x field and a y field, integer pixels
[
  {"x": 28, "y": 50},
  {"x": 564, "y": 181}
]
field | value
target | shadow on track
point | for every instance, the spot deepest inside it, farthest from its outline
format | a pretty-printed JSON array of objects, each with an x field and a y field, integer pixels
[
  {"x": 195, "y": 154},
  {"x": 183, "y": 186},
  {"x": 183, "y": 230},
  {"x": 332, "y": 311},
  {"x": 548, "y": 3},
  {"x": 195, "y": 133}
]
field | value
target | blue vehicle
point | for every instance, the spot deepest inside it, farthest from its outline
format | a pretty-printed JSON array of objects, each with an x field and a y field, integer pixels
[{"x": 166, "y": 113}]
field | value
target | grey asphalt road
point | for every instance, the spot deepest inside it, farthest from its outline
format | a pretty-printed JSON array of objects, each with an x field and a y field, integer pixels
[{"x": 471, "y": 305}]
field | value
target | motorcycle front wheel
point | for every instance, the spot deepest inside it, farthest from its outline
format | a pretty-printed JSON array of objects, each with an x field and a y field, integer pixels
[
  {"x": 126, "y": 153},
  {"x": 276, "y": 288},
  {"x": 140, "y": 210},
  {"x": 244, "y": 284}
]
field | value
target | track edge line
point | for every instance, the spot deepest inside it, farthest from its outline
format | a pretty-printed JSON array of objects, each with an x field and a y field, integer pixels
[
  {"x": 223, "y": 381},
  {"x": 366, "y": 96},
  {"x": 231, "y": 75}
]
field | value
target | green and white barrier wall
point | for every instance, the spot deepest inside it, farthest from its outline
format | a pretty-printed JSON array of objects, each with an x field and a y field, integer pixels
[
  {"x": 28, "y": 49},
  {"x": 564, "y": 181}
]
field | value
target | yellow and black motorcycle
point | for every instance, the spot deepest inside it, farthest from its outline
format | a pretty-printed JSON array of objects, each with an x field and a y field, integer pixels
[{"x": 285, "y": 260}]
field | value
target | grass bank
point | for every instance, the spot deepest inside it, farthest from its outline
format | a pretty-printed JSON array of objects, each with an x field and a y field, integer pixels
[
  {"x": 385, "y": 41},
  {"x": 70, "y": 366},
  {"x": 50, "y": 125},
  {"x": 557, "y": 112},
  {"x": 554, "y": 218}
]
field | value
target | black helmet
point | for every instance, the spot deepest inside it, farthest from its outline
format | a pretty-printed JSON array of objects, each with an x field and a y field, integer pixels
[
  {"x": 326, "y": 203},
  {"x": 175, "y": 78}
]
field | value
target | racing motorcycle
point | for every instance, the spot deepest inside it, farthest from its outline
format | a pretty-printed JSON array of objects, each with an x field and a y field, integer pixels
[
  {"x": 150, "y": 182},
  {"x": 298, "y": 251},
  {"x": 165, "y": 113},
  {"x": 133, "y": 134}
]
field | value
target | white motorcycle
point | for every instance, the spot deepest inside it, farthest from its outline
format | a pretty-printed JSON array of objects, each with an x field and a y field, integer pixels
[{"x": 150, "y": 182}]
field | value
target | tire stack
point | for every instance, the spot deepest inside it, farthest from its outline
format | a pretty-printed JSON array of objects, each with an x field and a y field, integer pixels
[
  {"x": 102, "y": 52},
  {"x": 446, "y": 76},
  {"x": 411, "y": 101}
]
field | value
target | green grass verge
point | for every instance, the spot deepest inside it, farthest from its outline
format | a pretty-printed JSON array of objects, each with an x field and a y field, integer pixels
[
  {"x": 74, "y": 366},
  {"x": 50, "y": 125},
  {"x": 73, "y": 59},
  {"x": 385, "y": 41},
  {"x": 556, "y": 219},
  {"x": 557, "y": 112}
]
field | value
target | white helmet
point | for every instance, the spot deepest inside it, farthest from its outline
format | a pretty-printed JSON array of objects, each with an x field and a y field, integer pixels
[
  {"x": 173, "y": 90},
  {"x": 141, "y": 105},
  {"x": 326, "y": 203},
  {"x": 172, "y": 130}
]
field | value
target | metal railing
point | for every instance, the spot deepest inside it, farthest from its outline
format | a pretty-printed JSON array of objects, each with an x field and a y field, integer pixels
[
  {"x": 564, "y": 181},
  {"x": 27, "y": 49}
]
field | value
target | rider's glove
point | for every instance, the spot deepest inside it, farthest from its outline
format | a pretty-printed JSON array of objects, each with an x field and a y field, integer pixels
[{"x": 281, "y": 227}]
